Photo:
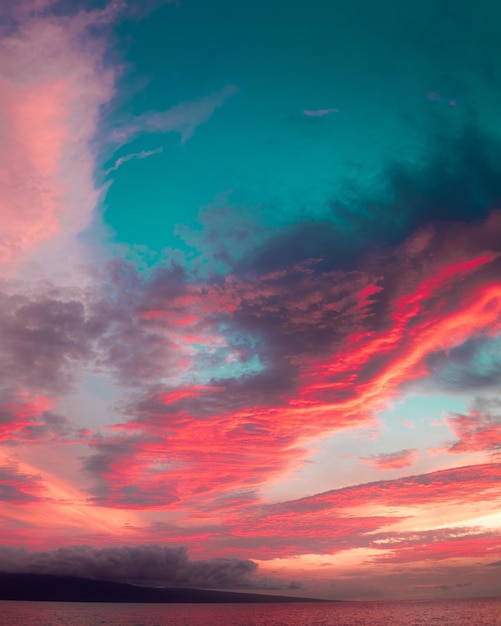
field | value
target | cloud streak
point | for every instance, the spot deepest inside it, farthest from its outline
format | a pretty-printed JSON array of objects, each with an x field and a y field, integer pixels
[
  {"x": 182, "y": 118},
  {"x": 319, "y": 112},
  {"x": 144, "y": 154}
]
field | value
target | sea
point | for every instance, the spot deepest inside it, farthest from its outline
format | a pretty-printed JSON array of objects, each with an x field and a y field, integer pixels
[{"x": 465, "y": 612}]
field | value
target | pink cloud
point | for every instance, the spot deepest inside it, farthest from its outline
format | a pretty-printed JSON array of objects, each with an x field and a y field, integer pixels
[
  {"x": 452, "y": 544},
  {"x": 481, "y": 482},
  {"x": 479, "y": 430},
  {"x": 359, "y": 516},
  {"x": 53, "y": 84},
  {"x": 20, "y": 414},
  {"x": 19, "y": 488},
  {"x": 330, "y": 365}
]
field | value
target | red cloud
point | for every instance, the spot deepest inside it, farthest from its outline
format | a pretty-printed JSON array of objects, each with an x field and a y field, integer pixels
[
  {"x": 330, "y": 363},
  {"x": 478, "y": 431}
]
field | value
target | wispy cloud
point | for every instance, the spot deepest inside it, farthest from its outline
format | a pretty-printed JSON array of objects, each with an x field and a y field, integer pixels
[
  {"x": 392, "y": 460},
  {"x": 319, "y": 112},
  {"x": 144, "y": 154},
  {"x": 183, "y": 118}
]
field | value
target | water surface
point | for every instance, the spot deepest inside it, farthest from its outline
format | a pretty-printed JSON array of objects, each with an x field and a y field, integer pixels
[{"x": 471, "y": 612}]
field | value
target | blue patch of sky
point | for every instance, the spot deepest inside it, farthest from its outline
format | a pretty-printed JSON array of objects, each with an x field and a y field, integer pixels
[
  {"x": 91, "y": 405},
  {"x": 416, "y": 422},
  {"x": 284, "y": 57}
]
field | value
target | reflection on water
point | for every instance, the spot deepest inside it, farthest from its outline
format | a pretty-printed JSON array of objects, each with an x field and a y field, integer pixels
[{"x": 475, "y": 612}]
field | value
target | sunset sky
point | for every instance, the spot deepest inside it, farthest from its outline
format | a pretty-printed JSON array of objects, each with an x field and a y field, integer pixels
[{"x": 250, "y": 295}]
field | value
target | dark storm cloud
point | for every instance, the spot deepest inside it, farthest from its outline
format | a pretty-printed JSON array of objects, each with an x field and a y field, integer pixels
[
  {"x": 458, "y": 179},
  {"x": 152, "y": 562}
]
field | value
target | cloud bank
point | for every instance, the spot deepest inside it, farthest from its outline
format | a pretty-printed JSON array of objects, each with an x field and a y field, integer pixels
[{"x": 144, "y": 563}]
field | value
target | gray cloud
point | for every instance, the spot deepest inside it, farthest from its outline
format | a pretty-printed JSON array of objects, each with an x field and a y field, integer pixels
[
  {"x": 473, "y": 366},
  {"x": 142, "y": 563},
  {"x": 44, "y": 339}
]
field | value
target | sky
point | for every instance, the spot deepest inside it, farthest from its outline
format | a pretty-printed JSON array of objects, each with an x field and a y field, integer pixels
[{"x": 250, "y": 296}]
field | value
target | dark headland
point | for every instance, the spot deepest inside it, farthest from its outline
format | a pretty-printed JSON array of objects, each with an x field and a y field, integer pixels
[{"x": 41, "y": 587}]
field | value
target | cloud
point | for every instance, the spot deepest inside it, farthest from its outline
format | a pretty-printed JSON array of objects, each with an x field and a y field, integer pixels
[
  {"x": 16, "y": 10},
  {"x": 392, "y": 460},
  {"x": 482, "y": 482},
  {"x": 168, "y": 340},
  {"x": 140, "y": 10},
  {"x": 319, "y": 112},
  {"x": 142, "y": 563},
  {"x": 381, "y": 321},
  {"x": 457, "y": 181},
  {"x": 479, "y": 430},
  {"x": 19, "y": 488},
  {"x": 475, "y": 366},
  {"x": 183, "y": 118},
  {"x": 54, "y": 83},
  {"x": 439, "y": 545},
  {"x": 46, "y": 337},
  {"x": 368, "y": 516},
  {"x": 144, "y": 154},
  {"x": 21, "y": 416}
]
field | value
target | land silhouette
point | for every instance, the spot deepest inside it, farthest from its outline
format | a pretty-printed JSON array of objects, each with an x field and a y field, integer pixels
[{"x": 45, "y": 587}]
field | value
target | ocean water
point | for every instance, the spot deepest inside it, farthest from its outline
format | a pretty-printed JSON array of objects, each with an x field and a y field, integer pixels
[{"x": 471, "y": 612}]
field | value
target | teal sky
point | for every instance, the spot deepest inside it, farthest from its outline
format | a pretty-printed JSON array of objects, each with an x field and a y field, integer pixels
[{"x": 379, "y": 64}]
